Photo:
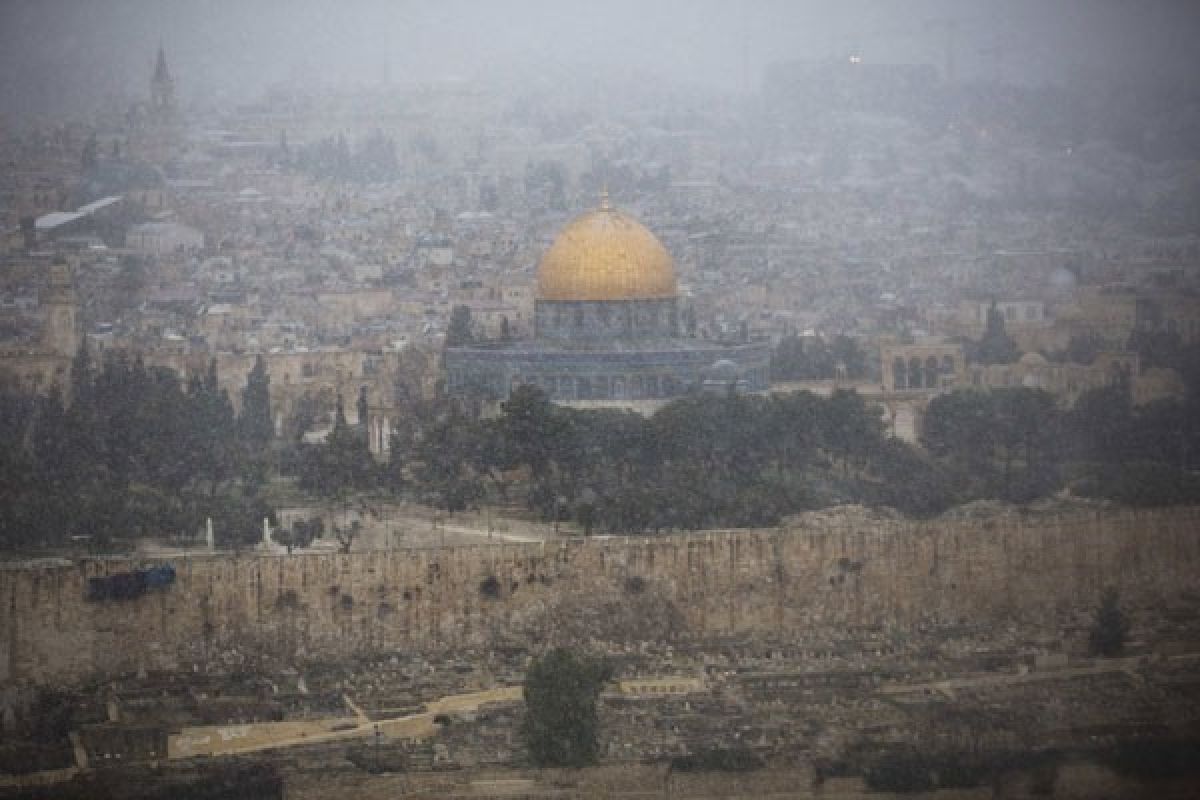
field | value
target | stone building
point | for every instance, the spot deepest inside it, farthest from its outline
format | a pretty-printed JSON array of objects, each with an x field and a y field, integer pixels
[
  {"x": 923, "y": 366},
  {"x": 1066, "y": 381},
  {"x": 48, "y": 364},
  {"x": 607, "y": 326}
]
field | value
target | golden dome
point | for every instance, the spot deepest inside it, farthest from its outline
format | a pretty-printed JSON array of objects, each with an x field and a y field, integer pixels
[{"x": 606, "y": 255}]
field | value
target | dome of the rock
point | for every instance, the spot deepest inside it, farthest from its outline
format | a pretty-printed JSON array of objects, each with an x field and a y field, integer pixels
[{"x": 605, "y": 255}]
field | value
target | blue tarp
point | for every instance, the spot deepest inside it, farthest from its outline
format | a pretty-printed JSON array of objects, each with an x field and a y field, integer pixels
[
  {"x": 159, "y": 577},
  {"x": 129, "y": 585}
]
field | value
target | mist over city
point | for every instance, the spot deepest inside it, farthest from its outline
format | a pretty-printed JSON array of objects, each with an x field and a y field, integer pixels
[{"x": 576, "y": 400}]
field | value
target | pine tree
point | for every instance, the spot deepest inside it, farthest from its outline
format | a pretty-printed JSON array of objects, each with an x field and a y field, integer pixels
[
  {"x": 339, "y": 417},
  {"x": 254, "y": 424},
  {"x": 458, "y": 331},
  {"x": 212, "y": 428},
  {"x": 362, "y": 408},
  {"x": 996, "y": 346}
]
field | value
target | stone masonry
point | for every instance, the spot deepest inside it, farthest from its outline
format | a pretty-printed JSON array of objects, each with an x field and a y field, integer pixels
[{"x": 778, "y": 583}]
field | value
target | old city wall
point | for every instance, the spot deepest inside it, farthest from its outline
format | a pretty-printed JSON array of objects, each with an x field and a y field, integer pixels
[{"x": 821, "y": 575}]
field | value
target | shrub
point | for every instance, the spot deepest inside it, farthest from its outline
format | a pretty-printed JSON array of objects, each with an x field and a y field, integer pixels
[
  {"x": 490, "y": 587},
  {"x": 1109, "y": 632},
  {"x": 736, "y": 759}
]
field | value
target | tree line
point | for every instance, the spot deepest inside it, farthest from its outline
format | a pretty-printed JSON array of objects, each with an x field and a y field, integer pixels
[
  {"x": 135, "y": 452},
  {"x": 718, "y": 460},
  {"x": 812, "y": 358}
]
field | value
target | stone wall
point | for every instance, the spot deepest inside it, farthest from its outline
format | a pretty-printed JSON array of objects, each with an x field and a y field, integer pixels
[{"x": 823, "y": 574}]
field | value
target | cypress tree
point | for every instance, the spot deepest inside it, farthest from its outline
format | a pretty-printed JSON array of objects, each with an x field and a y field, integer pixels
[
  {"x": 254, "y": 424},
  {"x": 362, "y": 407}
]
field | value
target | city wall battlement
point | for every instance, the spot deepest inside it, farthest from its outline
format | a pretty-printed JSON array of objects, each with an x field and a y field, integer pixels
[{"x": 815, "y": 575}]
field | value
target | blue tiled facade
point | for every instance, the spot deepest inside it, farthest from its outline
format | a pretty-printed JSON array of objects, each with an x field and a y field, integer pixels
[{"x": 613, "y": 370}]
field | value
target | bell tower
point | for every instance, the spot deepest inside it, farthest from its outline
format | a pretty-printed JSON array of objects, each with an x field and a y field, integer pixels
[
  {"x": 162, "y": 88},
  {"x": 60, "y": 334}
]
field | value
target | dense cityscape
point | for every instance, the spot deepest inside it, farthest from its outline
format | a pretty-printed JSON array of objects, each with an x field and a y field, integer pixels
[{"x": 603, "y": 433}]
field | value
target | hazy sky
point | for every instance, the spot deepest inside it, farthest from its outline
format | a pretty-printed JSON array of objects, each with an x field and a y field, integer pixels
[{"x": 60, "y": 55}]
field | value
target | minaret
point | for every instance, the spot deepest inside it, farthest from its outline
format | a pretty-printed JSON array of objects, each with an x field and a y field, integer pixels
[
  {"x": 60, "y": 334},
  {"x": 162, "y": 87}
]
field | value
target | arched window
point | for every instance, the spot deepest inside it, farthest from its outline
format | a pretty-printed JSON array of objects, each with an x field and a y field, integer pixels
[
  {"x": 899, "y": 374},
  {"x": 931, "y": 373},
  {"x": 914, "y": 373}
]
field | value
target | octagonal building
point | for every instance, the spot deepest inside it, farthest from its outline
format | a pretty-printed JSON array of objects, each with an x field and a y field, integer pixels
[{"x": 606, "y": 327}]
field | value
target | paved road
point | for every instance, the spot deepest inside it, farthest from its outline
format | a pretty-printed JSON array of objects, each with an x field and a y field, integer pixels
[
  {"x": 1101, "y": 667},
  {"x": 228, "y": 740},
  {"x": 504, "y": 537}
]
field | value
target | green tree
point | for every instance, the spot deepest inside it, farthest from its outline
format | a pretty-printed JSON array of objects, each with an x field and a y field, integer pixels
[
  {"x": 1101, "y": 423},
  {"x": 1026, "y": 428},
  {"x": 995, "y": 346},
  {"x": 846, "y": 351},
  {"x": 959, "y": 426},
  {"x": 851, "y": 429},
  {"x": 811, "y": 358},
  {"x": 792, "y": 426},
  {"x": 346, "y": 534},
  {"x": 341, "y": 464},
  {"x": 560, "y": 727},
  {"x": 362, "y": 407},
  {"x": 254, "y": 424},
  {"x": 458, "y": 330},
  {"x": 530, "y": 423},
  {"x": 301, "y": 534},
  {"x": 211, "y": 430},
  {"x": 447, "y": 458}
]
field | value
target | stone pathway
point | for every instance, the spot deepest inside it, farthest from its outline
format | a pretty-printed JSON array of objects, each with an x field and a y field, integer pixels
[
  {"x": 228, "y": 740},
  {"x": 947, "y": 687}
]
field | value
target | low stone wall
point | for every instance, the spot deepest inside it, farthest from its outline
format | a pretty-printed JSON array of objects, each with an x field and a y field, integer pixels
[{"x": 819, "y": 575}]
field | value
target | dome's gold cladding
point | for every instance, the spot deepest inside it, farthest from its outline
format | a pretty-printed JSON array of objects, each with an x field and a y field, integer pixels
[{"x": 606, "y": 255}]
